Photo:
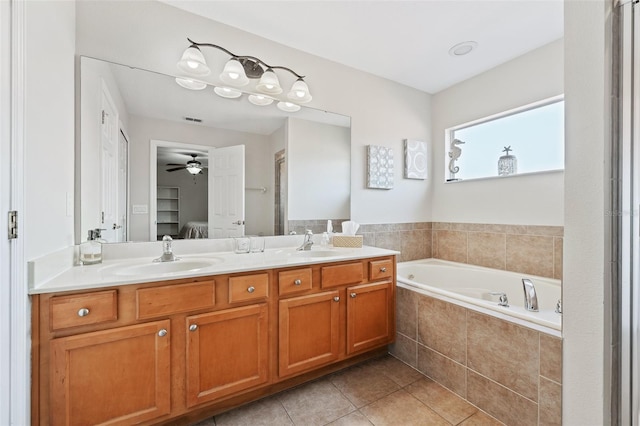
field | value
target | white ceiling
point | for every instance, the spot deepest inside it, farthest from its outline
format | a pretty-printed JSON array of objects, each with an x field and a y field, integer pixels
[{"x": 404, "y": 41}]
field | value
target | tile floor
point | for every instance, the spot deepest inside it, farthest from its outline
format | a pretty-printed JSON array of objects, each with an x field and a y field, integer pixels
[{"x": 383, "y": 391}]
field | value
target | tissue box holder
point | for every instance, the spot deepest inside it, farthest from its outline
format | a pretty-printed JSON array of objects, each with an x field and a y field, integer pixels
[{"x": 347, "y": 241}]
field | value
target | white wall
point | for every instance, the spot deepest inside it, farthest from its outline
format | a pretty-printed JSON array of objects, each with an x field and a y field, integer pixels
[
  {"x": 532, "y": 200},
  {"x": 586, "y": 243},
  {"x": 143, "y": 129},
  {"x": 153, "y": 36},
  {"x": 323, "y": 183},
  {"x": 49, "y": 127}
]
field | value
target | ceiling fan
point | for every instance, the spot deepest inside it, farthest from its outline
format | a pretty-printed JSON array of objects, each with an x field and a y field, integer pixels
[{"x": 193, "y": 166}]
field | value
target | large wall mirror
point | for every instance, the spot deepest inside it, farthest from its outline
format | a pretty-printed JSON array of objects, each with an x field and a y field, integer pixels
[{"x": 155, "y": 158}]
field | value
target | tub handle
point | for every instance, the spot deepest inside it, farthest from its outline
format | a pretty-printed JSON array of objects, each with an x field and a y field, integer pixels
[{"x": 503, "y": 301}]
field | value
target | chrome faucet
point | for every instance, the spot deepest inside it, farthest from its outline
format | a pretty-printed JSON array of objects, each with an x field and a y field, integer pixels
[
  {"x": 307, "y": 243},
  {"x": 503, "y": 300},
  {"x": 167, "y": 252},
  {"x": 530, "y": 297}
]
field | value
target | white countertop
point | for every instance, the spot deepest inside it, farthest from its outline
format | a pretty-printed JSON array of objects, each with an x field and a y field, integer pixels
[{"x": 119, "y": 271}]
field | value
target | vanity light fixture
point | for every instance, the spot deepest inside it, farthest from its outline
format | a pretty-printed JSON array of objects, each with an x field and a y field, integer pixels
[
  {"x": 288, "y": 106},
  {"x": 227, "y": 92},
  {"x": 191, "y": 84},
  {"x": 238, "y": 71}
]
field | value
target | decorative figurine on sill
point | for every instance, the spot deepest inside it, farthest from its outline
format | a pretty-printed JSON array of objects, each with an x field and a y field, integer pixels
[
  {"x": 454, "y": 154},
  {"x": 507, "y": 164}
]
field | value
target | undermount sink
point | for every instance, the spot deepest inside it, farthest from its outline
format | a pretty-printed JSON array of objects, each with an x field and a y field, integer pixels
[
  {"x": 317, "y": 253},
  {"x": 158, "y": 268}
]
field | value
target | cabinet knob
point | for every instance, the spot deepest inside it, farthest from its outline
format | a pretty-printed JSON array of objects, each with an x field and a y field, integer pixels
[
  {"x": 353, "y": 295},
  {"x": 83, "y": 312},
  {"x": 383, "y": 269},
  {"x": 251, "y": 289},
  {"x": 162, "y": 333},
  {"x": 193, "y": 327},
  {"x": 336, "y": 299},
  {"x": 297, "y": 282}
]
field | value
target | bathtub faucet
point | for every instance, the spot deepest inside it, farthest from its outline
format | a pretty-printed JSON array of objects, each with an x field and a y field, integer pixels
[
  {"x": 530, "y": 297},
  {"x": 502, "y": 301}
]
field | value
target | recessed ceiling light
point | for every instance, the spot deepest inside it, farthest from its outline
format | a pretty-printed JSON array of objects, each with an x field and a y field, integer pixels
[{"x": 463, "y": 48}]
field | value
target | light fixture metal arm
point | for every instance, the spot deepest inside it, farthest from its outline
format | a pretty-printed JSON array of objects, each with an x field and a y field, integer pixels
[{"x": 251, "y": 58}]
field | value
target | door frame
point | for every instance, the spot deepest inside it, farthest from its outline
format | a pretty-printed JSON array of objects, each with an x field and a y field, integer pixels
[
  {"x": 153, "y": 180},
  {"x": 15, "y": 308}
]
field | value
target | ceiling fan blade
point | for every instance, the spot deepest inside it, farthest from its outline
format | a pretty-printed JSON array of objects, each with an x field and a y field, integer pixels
[
  {"x": 173, "y": 164},
  {"x": 176, "y": 168}
]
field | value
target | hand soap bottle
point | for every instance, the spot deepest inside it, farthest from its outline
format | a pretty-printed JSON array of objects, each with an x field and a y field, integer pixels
[{"x": 91, "y": 250}]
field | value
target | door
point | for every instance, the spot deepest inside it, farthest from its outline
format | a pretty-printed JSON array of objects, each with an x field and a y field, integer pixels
[
  {"x": 123, "y": 190},
  {"x": 109, "y": 167},
  {"x": 227, "y": 351},
  {"x": 226, "y": 214},
  {"x": 309, "y": 332},
  {"x": 370, "y": 318},
  {"x": 130, "y": 365}
]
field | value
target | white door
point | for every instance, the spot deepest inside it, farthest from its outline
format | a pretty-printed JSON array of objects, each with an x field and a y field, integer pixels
[
  {"x": 123, "y": 177},
  {"x": 226, "y": 211},
  {"x": 109, "y": 172}
]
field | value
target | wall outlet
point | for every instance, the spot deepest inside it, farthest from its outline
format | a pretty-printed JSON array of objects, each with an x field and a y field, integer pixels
[{"x": 140, "y": 209}]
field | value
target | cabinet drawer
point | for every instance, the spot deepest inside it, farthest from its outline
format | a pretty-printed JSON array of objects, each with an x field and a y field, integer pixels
[
  {"x": 166, "y": 300},
  {"x": 379, "y": 269},
  {"x": 83, "y": 309},
  {"x": 248, "y": 287},
  {"x": 348, "y": 273},
  {"x": 295, "y": 281}
]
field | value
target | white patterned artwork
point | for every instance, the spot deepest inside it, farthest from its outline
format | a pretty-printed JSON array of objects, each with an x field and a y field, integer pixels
[
  {"x": 379, "y": 167},
  {"x": 415, "y": 159}
]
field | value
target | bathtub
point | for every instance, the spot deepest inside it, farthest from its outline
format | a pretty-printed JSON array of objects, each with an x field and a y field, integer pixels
[{"x": 471, "y": 287}]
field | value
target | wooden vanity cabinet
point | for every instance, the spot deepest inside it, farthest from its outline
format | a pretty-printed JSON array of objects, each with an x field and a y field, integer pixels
[{"x": 178, "y": 351}]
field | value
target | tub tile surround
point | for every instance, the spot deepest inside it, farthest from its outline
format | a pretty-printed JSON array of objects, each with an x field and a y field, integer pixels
[
  {"x": 511, "y": 372},
  {"x": 530, "y": 249}
]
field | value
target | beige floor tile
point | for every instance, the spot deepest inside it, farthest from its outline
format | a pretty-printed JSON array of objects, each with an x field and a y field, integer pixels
[
  {"x": 315, "y": 403},
  {"x": 267, "y": 411},
  {"x": 441, "y": 400},
  {"x": 481, "y": 419},
  {"x": 401, "y": 408},
  {"x": 363, "y": 384},
  {"x": 354, "y": 419},
  {"x": 206, "y": 422},
  {"x": 397, "y": 370}
]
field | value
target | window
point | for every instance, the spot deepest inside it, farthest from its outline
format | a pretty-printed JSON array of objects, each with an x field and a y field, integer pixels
[{"x": 529, "y": 139}]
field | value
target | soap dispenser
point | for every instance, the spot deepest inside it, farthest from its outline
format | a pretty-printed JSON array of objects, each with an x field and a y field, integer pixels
[{"x": 91, "y": 250}]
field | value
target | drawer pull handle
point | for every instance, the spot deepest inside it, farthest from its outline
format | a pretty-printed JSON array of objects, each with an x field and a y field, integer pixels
[
  {"x": 83, "y": 312},
  {"x": 251, "y": 289},
  {"x": 297, "y": 282},
  {"x": 336, "y": 299},
  {"x": 383, "y": 269},
  {"x": 193, "y": 327},
  {"x": 162, "y": 333},
  {"x": 353, "y": 295}
]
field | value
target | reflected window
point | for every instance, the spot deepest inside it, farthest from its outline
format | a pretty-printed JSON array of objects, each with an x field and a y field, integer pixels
[{"x": 524, "y": 140}]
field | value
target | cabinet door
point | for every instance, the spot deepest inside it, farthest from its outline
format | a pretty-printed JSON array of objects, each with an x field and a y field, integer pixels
[
  {"x": 117, "y": 376},
  {"x": 227, "y": 351},
  {"x": 309, "y": 331},
  {"x": 370, "y": 316}
]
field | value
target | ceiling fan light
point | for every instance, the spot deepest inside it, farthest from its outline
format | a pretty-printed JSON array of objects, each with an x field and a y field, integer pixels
[
  {"x": 193, "y": 63},
  {"x": 227, "y": 92},
  {"x": 194, "y": 169},
  {"x": 269, "y": 83},
  {"x": 233, "y": 73},
  {"x": 190, "y": 84},
  {"x": 288, "y": 106},
  {"x": 260, "y": 100}
]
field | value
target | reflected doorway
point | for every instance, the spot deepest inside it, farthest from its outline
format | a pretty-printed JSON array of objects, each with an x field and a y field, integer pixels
[{"x": 280, "y": 193}]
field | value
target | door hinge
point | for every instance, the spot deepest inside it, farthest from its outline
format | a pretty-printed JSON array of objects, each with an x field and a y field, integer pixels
[
  {"x": 13, "y": 224},
  {"x": 102, "y": 116},
  {"x": 101, "y": 217}
]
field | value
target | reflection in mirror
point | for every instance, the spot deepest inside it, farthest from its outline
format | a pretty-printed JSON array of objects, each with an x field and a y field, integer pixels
[
  {"x": 524, "y": 140},
  {"x": 136, "y": 125}
]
